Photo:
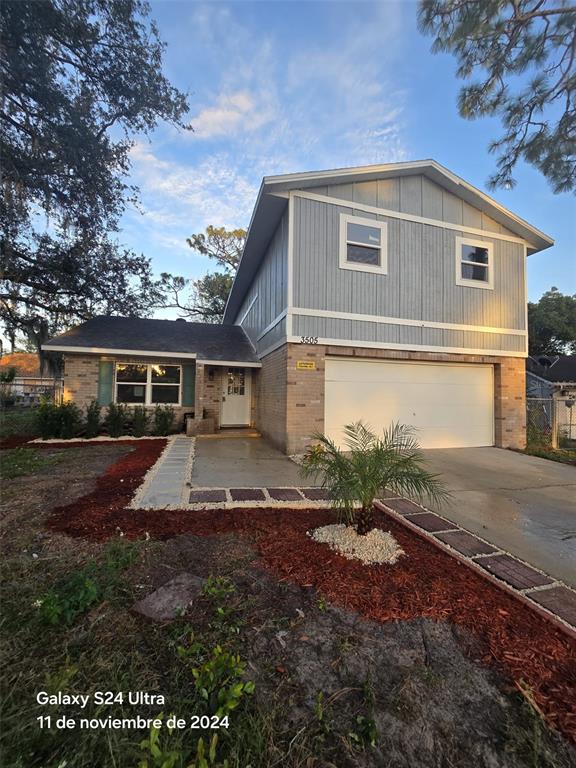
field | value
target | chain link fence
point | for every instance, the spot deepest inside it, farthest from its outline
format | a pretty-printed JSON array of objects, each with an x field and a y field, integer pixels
[
  {"x": 30, "y": 392},
  {"x": 551, "y": 422}
]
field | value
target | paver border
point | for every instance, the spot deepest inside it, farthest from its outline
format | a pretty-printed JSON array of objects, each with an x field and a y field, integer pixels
[{"x": 472, "y": 562}]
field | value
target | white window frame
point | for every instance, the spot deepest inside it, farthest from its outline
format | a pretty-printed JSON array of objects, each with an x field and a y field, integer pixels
[
  {"x": 380, "y": 269},
  {"x": 148, "y": 384},
  {"x": 489, "y": 247}
]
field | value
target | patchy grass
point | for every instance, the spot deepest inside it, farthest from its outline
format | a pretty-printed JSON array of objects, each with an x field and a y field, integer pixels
[
  {"x": 553, "y": 454},
  {"x": 18, "y": 421},
  {"x": 24, "y": 461},
  {"x": 304, "y": 684}
]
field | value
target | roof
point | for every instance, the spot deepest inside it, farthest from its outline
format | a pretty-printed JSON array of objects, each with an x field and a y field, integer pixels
[
  {"x": 26, "y": 363},
  {"x": 273, "y": 198},
  {"x": 161, "y": 338},
  {"x": 561, "y": 368}
]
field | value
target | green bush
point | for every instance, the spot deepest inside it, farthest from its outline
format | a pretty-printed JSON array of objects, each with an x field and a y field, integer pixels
[
  {"x": 58, "y": 421},
  {"x": 47, "y": 420},
  {"x": 69, "y": 418},
  {"x": 116, "y": 418},
  {"x": 139, "y": 421},
  {"x": 163, "y": 420},
  {"x": 93, "y": 419}
]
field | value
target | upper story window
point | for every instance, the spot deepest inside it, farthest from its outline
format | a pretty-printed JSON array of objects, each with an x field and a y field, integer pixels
[
  {"x": 142, "y": 384},
  {"x": 363, "y": 244},
  {"x": 474, "y": 263}
]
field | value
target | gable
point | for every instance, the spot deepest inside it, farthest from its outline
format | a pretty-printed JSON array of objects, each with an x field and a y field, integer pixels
[{"x": 414, "y": 195}]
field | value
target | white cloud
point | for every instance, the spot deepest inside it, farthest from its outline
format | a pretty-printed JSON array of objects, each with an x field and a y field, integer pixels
[{"x": 232, "y": 113}]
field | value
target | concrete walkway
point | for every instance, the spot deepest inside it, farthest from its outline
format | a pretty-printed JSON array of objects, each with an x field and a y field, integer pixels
[
  {"x": 522, "y": 504},
  {"x": 243, "y": 463},
  {"x": 167, "y": 484}
]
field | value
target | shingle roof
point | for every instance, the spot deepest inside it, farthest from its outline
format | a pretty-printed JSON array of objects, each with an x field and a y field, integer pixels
[
  {"x": 562, "y": 368},
  {"x": 208, "y": 341}
]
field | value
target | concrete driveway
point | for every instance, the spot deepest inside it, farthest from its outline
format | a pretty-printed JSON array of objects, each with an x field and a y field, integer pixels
[{"x": 520, "y": 503}]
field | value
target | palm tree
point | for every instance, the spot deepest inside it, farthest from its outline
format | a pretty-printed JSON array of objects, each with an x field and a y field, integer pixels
[{"x": 370, "y": 464}]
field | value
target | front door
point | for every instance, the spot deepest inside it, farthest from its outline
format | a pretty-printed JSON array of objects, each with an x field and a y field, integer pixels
[{"x": 236, "y": 397}]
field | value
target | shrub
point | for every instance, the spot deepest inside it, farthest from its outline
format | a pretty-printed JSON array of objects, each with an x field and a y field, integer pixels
[
  {"x": 93, "y": 419},
  {"x": 48, "y": 420},
  {"x": 139, "y": 421},
  {"x": 163, "y": 420},
  {"x": 69, "y": 420},
  {"x": 116, "y": 420},
  {"x": 367, "y": 467},
  {"x": 7, "y": 377}
]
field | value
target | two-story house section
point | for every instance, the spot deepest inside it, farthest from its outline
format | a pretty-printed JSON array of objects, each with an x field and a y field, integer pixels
[{"x": 387, "y": 293}]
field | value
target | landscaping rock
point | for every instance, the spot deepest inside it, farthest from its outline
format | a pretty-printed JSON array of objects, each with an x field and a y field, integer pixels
[{"x": 170, "y": 600}]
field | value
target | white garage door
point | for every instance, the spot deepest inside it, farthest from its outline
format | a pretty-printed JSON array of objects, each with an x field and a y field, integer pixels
[{"x": 451, "y": 406}]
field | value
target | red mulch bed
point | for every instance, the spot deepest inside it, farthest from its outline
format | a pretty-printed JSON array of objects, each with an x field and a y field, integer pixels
[
  {"x": 14, "y": 441},
  {"x": 427, "y": 582}
]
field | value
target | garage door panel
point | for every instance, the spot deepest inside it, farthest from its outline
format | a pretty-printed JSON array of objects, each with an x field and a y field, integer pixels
[{"x": 449, "y": 405}]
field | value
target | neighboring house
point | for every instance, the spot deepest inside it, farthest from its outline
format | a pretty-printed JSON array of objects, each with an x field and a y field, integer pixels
[
  {"x": 553, "y": 377},
  {"x": 28, "y": 385},
  {"x": 383, "y": 293}
]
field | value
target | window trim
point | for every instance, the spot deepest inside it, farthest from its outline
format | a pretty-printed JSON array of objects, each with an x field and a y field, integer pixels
[
  {"x": 345, "y": 219},
  {"x": 486, "y": 285},
  {"x": 148, "y": 384}
]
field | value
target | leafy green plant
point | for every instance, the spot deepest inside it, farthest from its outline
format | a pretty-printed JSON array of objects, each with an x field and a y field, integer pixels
[
  {"x": 219, "y": 681},
  {"x": 156, "y": 754},
  {"x": 7, "y": 377},
  {"x": 93, "y": 419},
  {"x": 62, "y": 605},
  {"x": 48, "y": 420},
  {"x": 115, "y": 419},
  {"x": 70, "y": 418},
  {"x": 370, "y": 464},
  {"x": 139, "y": 421},
  {"x": 74, "y": 595},
  {"x": 163, "y": 420}
]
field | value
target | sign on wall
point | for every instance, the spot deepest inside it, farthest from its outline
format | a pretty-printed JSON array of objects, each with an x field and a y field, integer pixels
[{"x": 306, "y": 365}]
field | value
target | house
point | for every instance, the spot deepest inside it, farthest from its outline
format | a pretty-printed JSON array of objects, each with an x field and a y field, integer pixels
[
  {"x": 384, "y": 293},
  {"x": 551, "y": 390}
]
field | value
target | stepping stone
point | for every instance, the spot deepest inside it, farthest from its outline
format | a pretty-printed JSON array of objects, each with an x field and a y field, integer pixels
[
  {"x": 431, "y": 522},
  {"x": 403, "y": 506},
  {"x": 171, "y": 599},
  {"x": 285, "y": 494},
  {"x": 197, "y": 497},
  {"x": 559, "y": 600},
  {"x": 466, "y": 543},
  {"x": 247, "y": 494},
  {"x": 315, "y": 494},
  {"x": 514, "y": 572}
]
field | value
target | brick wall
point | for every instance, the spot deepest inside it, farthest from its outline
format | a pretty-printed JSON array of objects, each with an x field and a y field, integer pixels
[
  {"x": 269, "y": 397},
  {"x": 81, "y": 378},
  {"x": 81, "y": 373},
  {"x": 291, "y": 401}
]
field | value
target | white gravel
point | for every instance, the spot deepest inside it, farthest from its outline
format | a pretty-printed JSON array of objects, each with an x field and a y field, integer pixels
[{"x": 377, "y": 546}]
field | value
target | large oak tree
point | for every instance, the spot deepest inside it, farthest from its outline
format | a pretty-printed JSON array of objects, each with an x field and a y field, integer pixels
[{"x": 81, "y": 78}]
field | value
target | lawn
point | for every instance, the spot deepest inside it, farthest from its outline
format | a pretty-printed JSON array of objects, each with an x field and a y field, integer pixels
[{"x": 313, "y": 664}]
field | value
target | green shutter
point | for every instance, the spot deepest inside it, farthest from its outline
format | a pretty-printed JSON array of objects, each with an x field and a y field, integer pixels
[
  {"x": 188, "y": 384},
  {"x": 105, "y": 382}
]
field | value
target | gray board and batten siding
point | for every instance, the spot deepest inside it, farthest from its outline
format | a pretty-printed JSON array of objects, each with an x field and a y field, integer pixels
[
  {"x": 420, "y": 284},
  {"x": 267, "y": 296}
]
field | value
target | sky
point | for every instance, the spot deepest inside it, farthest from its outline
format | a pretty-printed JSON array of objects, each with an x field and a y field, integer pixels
[{"x": 282, "y": 87}]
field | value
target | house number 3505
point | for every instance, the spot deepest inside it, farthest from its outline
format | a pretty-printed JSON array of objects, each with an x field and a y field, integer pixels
[{"x": 308, "y": 339}]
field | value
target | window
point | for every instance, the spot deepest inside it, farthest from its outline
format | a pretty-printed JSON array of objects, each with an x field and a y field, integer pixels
[
  {"x": 363, "y": 244},
  {"x": 474, "y": 263},
  {"x": 140, "y": 384}
]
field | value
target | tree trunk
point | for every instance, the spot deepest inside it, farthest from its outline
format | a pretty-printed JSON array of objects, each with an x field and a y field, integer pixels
[{"x": 364, "y": 520}]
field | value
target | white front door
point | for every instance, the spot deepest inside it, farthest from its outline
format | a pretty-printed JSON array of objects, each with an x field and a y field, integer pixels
[{"x": 236, "y": 397}]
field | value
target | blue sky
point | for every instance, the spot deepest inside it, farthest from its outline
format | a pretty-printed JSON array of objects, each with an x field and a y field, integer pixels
[{"x": 280, "y": 87}]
